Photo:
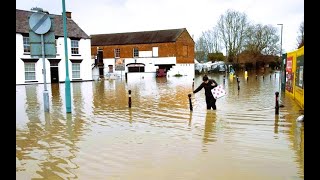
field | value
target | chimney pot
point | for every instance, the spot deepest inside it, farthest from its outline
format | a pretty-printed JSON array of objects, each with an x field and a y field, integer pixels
[{"x": 68, "y": 14}]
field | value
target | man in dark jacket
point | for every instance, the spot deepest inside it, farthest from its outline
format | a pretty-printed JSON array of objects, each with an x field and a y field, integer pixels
[{"x": 208, "y": 84}]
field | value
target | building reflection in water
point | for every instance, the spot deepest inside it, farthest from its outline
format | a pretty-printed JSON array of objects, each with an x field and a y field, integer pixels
[{"x": 104, "y": 139}]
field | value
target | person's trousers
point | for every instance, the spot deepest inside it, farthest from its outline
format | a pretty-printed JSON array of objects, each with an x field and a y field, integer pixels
[{"x": 211, "y": 102}]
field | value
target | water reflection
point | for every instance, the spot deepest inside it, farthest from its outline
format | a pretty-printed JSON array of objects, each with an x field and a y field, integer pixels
[
  {"x": 209, "y": 128},
  {"x": 104, "y": 139}
]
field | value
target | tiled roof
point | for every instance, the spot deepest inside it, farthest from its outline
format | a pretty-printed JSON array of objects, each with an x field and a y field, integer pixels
[
  {"x": 74, "y": 31},
  {"x": 143, "y": 37}
]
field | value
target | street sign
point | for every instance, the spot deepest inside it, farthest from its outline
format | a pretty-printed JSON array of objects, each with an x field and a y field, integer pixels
[{"x": 40, "y": 23}]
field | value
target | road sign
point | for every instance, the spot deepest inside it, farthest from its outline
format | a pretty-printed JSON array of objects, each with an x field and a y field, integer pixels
[
  {"x": 36, "y": 28},
  {"x": 40, "y": 23}
]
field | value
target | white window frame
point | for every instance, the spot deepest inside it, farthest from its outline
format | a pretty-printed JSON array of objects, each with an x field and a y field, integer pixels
[
  {"x": 74, "y": 47},
  {"x": 28, "y": 70},
  {"x": 56, "y": 43},
  {"x": 75, "y": 74},
  {"x": 26, "y": 45},
  {"x": 135, "y": 52}
]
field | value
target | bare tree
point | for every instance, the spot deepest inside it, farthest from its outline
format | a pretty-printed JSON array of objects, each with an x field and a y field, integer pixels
[
  {"x": 201, "y": 50},
  {"x": 216, "y": 40},
  {"x": 232, "y": 27},
  {"x": 212, "y": 40},
  {"x": 262, "y": 39},
  {"x": 300, "y": 37}
]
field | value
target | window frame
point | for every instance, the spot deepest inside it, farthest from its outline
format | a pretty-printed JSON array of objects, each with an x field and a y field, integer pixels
[
  {"x": 135, "y": 52},
  {"x": 26, "y": 45},
  {"x": 117, "y": 52},
  {"x": 76, "y": 70},
  {"x": 75, "y": 49},
  {"x": 27, "y": 71}
]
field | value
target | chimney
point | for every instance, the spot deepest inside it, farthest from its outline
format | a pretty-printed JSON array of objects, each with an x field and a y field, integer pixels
[{"x": 68, "y": 14}]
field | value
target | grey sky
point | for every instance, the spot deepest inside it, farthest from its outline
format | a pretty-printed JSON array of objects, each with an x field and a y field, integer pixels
[{"x": 114, "y": 16}]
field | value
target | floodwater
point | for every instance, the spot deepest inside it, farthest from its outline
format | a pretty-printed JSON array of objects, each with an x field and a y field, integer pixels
[{"x": 159, "y": 137}]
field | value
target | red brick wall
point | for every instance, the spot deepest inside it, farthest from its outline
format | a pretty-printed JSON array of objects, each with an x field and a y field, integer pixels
[{"x": 171, "y": 49}]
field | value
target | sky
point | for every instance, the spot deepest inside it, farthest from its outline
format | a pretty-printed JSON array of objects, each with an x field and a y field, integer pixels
[{"x": 197, "y": 16}]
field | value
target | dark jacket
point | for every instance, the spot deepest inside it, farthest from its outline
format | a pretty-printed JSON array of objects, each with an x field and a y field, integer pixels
[{"x": 207, "y": 87}]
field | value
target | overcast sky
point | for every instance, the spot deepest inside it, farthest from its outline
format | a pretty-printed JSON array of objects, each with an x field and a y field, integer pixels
[{"x": 115, "y": 16}]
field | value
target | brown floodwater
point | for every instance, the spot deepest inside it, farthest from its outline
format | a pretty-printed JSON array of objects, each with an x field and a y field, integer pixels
[{"x": 159, "y": 137}]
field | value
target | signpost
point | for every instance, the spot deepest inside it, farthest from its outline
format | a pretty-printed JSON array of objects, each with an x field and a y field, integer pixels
[{"x": 40, "y": 24}]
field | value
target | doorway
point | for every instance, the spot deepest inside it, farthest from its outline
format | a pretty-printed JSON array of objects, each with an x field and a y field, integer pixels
[{"x": 54, "y": 74}]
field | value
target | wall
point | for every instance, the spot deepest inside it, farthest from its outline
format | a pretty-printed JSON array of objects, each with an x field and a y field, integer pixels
[
  {"x": 294, "y": 88},
  {"x": 85, "y": 67},
  {"x": 185, "y": 40}
]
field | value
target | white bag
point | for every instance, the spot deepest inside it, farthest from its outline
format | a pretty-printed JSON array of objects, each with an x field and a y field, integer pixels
[{"x": 218, "y": 92}]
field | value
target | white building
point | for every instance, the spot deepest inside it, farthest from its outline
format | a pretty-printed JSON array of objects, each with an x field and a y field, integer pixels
[{"x": 30, "y": 70}]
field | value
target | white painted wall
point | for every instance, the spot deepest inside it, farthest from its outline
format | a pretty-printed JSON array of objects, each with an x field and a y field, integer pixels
[
  {"x": 85, "y": 67},
  {"x": 183, "y": 69}
]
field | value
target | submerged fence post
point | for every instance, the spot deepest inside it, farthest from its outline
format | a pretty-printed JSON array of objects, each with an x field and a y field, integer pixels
[
  {"x": 191, "y": 108},
  {"x": 277, "y": 103},
  {"x": 129, "y": 98}
]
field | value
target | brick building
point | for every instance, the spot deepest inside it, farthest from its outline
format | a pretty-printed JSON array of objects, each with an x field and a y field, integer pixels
[{"x": 146, "y": 52}]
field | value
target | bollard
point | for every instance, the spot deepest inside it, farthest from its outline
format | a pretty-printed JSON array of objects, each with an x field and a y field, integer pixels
[
  {"x": 275, "y": 75},
  {"x": 189, "y": 95},
  {"x": 277, "y": 103},
  {"x": 224, "y": 79},
  {"x": 193, "y": 83},
  {"x": 238, "y": 85},
  {"x": 270, "y": 76},
  {"x": 247, "y": 78},
  {"x": 262, "y": 77},
  {"x": 129, "y": 98},
  {"x": 256, "y": 76}
]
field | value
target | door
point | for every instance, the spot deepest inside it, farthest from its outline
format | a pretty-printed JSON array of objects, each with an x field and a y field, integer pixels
[{"x": 54, "y": 74}]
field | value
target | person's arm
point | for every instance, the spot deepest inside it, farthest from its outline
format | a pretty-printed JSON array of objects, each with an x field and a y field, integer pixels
[
  {"x": 199, "y": 88},
  {"x": 213, "y": 84}
]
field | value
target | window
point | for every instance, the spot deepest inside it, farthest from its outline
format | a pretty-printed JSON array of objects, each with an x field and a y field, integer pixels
[
  {"x": 56, "y": 43},
  {"x": 154, "y": 51},
  {"x": 135, "y": 52},
  {"x": 30, "y": 71},
  {"x": 75, "y": 70},
  {"x": 185, "y": 51},
  {"x": 74, "y": 47},
  {"x": 26, "y": 45},
  {"x": 117, "y": 53}
]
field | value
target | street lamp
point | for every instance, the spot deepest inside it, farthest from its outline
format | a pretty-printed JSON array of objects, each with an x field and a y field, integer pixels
[
  {"x": 280, "y": 75},
  {"x": 67, "y": 81}
]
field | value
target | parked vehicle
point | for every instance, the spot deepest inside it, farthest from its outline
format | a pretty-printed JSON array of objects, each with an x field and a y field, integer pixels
[{"x": 161, "y": 73}]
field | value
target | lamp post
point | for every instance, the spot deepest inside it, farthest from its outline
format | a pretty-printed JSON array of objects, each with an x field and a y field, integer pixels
[
  {"x": 67, "y": 82},
  {"x": 280, "y": 75}
]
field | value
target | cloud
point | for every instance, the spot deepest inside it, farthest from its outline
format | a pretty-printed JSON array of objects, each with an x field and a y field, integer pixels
[{"x": 114, "y": 16}]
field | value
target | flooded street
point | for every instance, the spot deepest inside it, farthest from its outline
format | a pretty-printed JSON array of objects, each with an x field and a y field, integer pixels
[{"x": 159, "y": 137}]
